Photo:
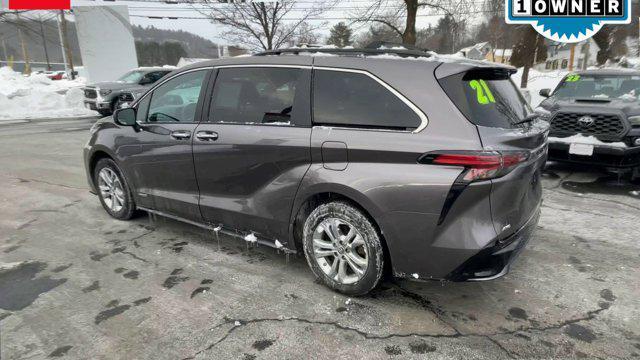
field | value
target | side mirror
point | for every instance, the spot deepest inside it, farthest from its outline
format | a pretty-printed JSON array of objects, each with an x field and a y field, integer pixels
[
  {"x": 125, "y": 117},
  {"x": 545, "y": 92}
]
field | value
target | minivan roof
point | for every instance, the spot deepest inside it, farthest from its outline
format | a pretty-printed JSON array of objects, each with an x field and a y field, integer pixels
[{"x": 304, "y": 56}]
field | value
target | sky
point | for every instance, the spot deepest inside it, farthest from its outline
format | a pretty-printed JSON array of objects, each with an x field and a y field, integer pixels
[{"x": 139, "y": 10}]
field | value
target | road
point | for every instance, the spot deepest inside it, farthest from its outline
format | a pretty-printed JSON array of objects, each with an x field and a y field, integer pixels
[{"x": 75, "y": 283}]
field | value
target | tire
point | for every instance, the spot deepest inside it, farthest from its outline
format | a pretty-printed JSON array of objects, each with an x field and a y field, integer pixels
[
  {"x": 349, "y": 251},
  {"x": 113, "y": 190}
]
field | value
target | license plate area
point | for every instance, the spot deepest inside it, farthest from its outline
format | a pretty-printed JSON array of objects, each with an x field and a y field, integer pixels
[{"x": 581, "y": 149}]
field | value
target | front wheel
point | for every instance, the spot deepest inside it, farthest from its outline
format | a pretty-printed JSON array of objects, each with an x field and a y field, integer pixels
[
  {"x": 343, "y": 248},
  {"x": 113, "y": 190}
]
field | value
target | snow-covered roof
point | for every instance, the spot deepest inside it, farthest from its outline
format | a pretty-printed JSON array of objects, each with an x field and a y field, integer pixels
[
  {"x": 188, "y": 61},
  {"x": 503, "y": 52},
  {"x": 477, "y": 46}
]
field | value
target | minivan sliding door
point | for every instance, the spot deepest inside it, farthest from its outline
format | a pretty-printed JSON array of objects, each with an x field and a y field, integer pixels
[{"x": 253, "y": 150}]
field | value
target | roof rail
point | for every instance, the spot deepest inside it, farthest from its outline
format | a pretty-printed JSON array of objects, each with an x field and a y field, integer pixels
[{"x": 348, "y": 51}]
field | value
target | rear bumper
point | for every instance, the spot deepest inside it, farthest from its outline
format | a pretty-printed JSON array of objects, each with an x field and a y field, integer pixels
[
  {"x": 494, "y": 261},
  {"x": 602, "y": 156}
]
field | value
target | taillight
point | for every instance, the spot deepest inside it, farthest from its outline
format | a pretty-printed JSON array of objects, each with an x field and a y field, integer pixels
[{"x": 479, "y": 165}]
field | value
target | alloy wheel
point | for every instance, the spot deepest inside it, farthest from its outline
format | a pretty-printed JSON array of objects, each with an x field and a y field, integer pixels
[
  {"x": 111, "y": 189},
  {"x": 340, "y": 251}
]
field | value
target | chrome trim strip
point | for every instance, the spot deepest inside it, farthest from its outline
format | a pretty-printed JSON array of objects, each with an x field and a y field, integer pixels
[
  {"x": 293, "y": 66},
  {"x": 424, "y": 120}
]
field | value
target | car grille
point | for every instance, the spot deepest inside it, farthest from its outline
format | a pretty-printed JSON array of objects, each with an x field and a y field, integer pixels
[
  {"x": 603, "y": 126},
  {"x": 90, "y": 93},
  {"x": 126, "y": 97}
]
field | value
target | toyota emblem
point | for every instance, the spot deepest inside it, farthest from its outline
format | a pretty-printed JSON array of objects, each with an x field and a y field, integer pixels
[{"x": 586, "y": 121}]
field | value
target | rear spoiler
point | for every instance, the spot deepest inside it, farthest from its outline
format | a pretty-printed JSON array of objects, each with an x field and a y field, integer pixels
[{"x": 446, "y": 69}]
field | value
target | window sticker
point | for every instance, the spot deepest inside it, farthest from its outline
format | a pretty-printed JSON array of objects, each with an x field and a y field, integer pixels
[
  {"x": 483, "y": 93},
  {"x": 572, "y": 78}
]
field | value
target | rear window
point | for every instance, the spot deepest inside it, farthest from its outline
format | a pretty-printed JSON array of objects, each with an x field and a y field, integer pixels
[
  {"x": 487, "y": 98},
  {"x": 354, "y": 99}
]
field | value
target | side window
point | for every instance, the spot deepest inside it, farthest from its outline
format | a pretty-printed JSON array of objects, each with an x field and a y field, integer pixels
[
  {"x": 254, "y": 96},
  {"x": 177, "y": 99},
  {"x": 143, "y": 109},
  {"x": 352, "y": 99}
]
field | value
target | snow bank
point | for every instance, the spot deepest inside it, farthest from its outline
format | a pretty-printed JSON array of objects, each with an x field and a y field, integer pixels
[
  {"x": 36, "y": 96},
  {"x": 589, "y": 140},
  {"x": 539, "y": 80}
]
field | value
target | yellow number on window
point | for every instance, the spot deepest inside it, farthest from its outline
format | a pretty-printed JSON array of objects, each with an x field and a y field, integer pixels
[{"x": 483, "y": 93}]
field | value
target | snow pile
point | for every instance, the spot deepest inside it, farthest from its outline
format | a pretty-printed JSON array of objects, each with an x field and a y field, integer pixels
[
  {"x": 36, "y": 96},
  {"x": 587, "y": 140},
  {"x": 539, "y": 80},
  {"x": 251, "y": 238}
]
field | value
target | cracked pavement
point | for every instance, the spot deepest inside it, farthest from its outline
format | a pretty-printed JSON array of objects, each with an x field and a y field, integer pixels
[{"x": 75, "y": 283}]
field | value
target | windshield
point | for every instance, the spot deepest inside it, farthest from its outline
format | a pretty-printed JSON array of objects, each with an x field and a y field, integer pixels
[
  {"x": 598, "y": 86},
  {"x": 132, "y": 77},
  {"x": 487, "y": 98}
]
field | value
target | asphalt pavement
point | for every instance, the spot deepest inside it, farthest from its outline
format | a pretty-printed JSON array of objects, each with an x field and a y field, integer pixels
[{"x": 76, "y": 283}]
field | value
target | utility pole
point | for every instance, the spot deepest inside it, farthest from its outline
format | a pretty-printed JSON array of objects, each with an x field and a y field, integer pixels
[
  {"x": 44, "y": 43},
  {"x": 65, "y": 43},
  {"x": 64, "y": 53},
  {"x": 586, "y": 49},
  {"x": 25, "y": 51},
  {"x": 4, "y": 50},
  {"x": 572, "y": 54}
]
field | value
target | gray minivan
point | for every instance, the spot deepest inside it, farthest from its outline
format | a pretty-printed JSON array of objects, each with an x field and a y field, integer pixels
[{"x": 364, "y": 160}]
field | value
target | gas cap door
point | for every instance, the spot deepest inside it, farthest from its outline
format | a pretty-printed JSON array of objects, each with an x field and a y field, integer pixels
[{"x": 334, "y": 155}]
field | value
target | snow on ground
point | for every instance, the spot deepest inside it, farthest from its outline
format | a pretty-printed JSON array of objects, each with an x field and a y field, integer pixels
[
  {"x": 539, "y": 80},
  {"x": 588, "y": 140},
  {"x": 36, "y": 96}
]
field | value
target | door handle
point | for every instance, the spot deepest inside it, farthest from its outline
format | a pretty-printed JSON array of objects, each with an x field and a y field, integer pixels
[
  {"x": 207, "y": 135},
  {"x": 180, "y": 134}
]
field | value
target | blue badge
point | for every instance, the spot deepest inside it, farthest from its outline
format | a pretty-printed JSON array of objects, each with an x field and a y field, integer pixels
[{"x": 568, "y": 20}]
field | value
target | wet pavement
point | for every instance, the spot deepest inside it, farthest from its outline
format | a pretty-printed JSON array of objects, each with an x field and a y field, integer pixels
[{"x": 75, "y": 283}]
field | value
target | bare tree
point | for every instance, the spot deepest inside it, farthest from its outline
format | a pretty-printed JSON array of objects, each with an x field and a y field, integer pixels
[
  {"x": 263, "y": 25},
  {"x": 392, "y": 12}
]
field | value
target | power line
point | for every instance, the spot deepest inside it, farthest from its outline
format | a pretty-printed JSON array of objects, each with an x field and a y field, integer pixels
[{"x": 172, "y": 17}]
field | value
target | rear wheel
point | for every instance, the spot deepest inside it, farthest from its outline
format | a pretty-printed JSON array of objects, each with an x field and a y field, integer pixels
[
  {"x": 113, "y": 190},
  {"x": 343, "y": 248}
]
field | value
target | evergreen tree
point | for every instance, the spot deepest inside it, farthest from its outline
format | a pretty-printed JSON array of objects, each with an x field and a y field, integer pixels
[{"x": 340, "y": 35}]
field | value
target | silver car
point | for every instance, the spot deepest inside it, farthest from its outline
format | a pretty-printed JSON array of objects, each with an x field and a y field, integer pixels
[{"x": 104, "y": 97}]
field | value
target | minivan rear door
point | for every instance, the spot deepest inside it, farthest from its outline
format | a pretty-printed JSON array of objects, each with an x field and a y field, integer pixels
[
  {"x": 506, "y": 123},
  {"x": 253, "y": 150}
]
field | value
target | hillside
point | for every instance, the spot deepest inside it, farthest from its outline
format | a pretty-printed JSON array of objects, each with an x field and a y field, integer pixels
[{"x": 195, "y": 46}]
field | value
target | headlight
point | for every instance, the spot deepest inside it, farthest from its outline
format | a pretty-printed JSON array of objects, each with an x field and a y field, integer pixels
[
  {"x": 634, "y": 120},
  {"x": 105, "y": 92}
]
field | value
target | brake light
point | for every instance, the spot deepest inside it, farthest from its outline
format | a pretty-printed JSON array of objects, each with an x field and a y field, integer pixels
[{"x": 479, "y": 165}]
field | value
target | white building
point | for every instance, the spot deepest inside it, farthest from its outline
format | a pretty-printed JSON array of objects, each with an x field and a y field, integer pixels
[
  {"x": 559, "y": 55},
  {"x": 478, "y": 51}
]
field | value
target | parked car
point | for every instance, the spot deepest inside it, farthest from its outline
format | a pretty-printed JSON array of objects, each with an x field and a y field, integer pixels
[
  {"x": 595, "y": 119},
  {"x": 391, "y": 160},
  {"x": 104, "y": 96},
  {"x": 55, "y": 75},
  {"x": 126, "y": 98}
]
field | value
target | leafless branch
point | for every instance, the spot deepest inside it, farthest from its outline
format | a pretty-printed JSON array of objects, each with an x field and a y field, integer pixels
[{"x": 262, "y": 25}]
